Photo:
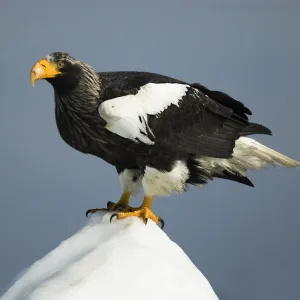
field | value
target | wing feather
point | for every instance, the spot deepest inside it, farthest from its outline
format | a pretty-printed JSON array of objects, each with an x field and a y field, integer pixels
[{"x": 179, "y": 116}]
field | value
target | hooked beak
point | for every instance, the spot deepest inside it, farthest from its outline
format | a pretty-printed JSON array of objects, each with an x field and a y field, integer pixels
[{"x": 43, "y": 69}]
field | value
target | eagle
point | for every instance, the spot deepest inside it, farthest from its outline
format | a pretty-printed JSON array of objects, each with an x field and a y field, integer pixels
[{"x": 161, "y": 134}]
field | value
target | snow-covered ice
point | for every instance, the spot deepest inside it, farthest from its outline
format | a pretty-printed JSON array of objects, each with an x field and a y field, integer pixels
[{"x": 122, "y": 260}]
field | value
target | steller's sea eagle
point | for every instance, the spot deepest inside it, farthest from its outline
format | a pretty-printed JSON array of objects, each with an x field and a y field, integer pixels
[{"x": 160, "y": 133}]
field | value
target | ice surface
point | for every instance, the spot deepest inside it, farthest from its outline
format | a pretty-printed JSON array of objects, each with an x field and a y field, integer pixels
[{"x": 122, "y": 260}]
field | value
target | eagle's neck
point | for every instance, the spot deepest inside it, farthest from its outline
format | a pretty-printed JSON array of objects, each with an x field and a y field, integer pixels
[
  {"x": 76, "y": 107},
  {"x": 78, "y": 91}
]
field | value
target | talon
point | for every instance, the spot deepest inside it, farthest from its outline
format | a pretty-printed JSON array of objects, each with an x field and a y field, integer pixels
[
  {"x": 112, "y": 216},
  {"x": 110, "y": 205},
  {"x": 146, "y": 221},
  {"x": 162, "y": 222},
  {"x": 94, "y": 210},
  {"x": 91, "y": 211}
]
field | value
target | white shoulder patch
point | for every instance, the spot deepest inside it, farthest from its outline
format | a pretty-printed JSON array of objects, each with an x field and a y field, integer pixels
[{"x": 127, "y": 116}]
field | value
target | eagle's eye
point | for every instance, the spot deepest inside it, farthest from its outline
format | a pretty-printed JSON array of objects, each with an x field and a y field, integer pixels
[{"x": 60, "y": 64}]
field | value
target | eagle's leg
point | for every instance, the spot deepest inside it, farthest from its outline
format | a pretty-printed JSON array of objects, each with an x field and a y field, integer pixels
[
  {"x": 122, "y": 204},
  {"x": 144, "y": 212}
]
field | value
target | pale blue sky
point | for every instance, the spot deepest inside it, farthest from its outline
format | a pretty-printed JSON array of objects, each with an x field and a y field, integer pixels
[{"x": 246, "y": 241}]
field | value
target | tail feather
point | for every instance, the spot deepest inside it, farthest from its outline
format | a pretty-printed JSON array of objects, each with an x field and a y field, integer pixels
[
  {"x": 254, "y": 128},
  {"x": 233, "y": 176},
  {"x": 255, "y": 155},
  {"x": 248, "y": 155}
]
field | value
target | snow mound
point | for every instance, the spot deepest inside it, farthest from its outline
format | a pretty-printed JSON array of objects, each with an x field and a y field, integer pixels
[{"x": 124, "y": 259}]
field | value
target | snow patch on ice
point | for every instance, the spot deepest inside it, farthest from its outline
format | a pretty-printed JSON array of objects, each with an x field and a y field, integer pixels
[{"x": 122, "y": 260}]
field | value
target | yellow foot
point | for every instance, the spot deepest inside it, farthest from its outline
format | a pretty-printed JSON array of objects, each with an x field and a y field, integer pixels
[
  {"x": 143, "y": 212},
  {"x": 111, "y": 206}
]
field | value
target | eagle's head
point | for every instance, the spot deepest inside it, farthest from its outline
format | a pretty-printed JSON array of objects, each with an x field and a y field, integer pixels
[{"x": 64, "y": 72}]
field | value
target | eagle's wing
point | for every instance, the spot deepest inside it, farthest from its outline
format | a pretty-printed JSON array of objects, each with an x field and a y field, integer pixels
[{"x": 177, "y": 115}]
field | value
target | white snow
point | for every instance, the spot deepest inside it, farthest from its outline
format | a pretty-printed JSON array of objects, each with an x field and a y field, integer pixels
[{"x": 122, "y": 260}]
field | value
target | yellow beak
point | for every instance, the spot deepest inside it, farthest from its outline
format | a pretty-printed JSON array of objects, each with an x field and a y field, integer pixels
[{"x": 43, "y": 69}]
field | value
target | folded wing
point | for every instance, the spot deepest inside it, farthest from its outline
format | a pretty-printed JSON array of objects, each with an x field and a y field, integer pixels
[{"x": 180, "y": 116}]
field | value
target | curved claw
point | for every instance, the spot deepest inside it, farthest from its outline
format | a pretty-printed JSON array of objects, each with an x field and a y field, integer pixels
[
  {"x": 162, "y": 222},
  {"x": 109, "y": 205},
  {"x": 94, "y": 210},
  {"x": 87, "y": 213},
  {"x": 112, "y": 216},
  {"x": 146, "y": 221}
]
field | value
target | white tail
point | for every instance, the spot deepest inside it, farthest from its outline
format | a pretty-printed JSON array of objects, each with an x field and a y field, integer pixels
[{"x": 248, "y": 155}]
